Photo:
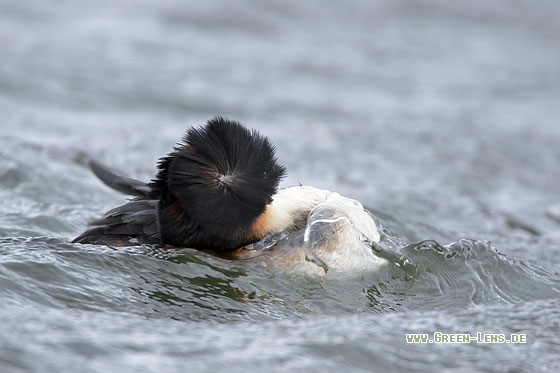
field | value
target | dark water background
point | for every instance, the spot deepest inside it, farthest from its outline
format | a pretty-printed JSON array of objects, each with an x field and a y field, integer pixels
[{"x": 441, "y": 117}]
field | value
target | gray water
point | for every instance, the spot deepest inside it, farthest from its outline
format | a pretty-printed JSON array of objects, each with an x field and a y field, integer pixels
[{"x": 441, "y": 117}]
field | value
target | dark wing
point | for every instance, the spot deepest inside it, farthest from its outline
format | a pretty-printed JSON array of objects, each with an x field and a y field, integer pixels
[
  {"x": 126, "y": 185},
  {"x": 135, "y": 222}
]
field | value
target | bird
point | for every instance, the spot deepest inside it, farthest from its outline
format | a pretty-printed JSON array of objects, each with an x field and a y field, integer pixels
[{"x": 218, "y": 191}]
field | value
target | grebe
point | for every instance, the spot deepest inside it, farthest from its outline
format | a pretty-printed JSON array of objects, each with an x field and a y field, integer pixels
[{"x": 218, "y": 192}]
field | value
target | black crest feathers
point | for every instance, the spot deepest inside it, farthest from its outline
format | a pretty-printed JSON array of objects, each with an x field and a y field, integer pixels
[{"x": 215, "y": 184}]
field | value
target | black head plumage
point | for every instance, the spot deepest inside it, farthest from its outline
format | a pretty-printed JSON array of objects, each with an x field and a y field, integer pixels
[{"x": 215, "y": 184}]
